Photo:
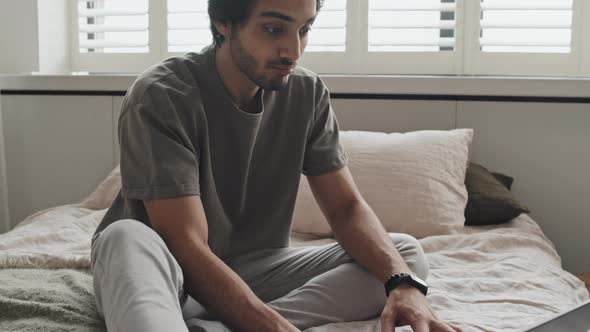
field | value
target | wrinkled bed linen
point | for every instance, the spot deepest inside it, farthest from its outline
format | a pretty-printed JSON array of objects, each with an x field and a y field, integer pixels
[
  {"x": 54, "y": 238},
  {"x": 47, "y": 300},
  {"x": 493, "y": 278}
]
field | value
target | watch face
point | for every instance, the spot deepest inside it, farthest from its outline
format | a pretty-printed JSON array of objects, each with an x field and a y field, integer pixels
[
  {"x": 420, "y": 284},
  {"x": 419, "y": 280}
]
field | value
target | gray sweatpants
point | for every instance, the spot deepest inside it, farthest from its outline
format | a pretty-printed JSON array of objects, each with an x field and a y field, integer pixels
[{"x": 139, "y": 285}]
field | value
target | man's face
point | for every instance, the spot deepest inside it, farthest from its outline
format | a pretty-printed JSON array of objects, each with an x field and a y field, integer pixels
[{"x": 268, "y": 45}]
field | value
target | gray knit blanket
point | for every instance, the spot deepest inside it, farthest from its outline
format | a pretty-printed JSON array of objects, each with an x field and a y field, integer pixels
[{"x": 48, "y": 300}]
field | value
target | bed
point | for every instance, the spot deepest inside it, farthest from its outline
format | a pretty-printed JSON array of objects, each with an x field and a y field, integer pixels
[{"x": 502, "y": 277}]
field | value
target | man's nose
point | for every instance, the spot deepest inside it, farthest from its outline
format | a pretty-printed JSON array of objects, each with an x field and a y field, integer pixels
[{"x": 291, "y": 48}]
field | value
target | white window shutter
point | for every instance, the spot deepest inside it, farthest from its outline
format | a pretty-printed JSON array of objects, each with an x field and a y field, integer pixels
[
  {"x": 188, "y": 26},
  {"x": 113, "y": 36},
  {"x": 411, "y": 26},
  {"x": 112, "y": 26},
  {"x": 524, "y": 38},
  {"x": 412, "y": 37},
  {"x": 328, "y": 32},
  {"x": 332, "y": 45},
  {"x": 449, "y": 37},
  {"x": 532, "y": 26}
]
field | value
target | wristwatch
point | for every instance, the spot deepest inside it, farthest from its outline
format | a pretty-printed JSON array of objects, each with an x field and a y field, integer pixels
[{"x": 405, "y": 279}]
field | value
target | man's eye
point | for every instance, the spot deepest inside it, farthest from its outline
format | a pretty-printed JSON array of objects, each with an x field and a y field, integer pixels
[
  {"x": 273, "y": 30},
  {"x": 305, "y": 32}
]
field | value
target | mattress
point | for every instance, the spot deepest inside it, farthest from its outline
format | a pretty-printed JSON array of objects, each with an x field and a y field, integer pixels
[{"x": 493, "y": 278}]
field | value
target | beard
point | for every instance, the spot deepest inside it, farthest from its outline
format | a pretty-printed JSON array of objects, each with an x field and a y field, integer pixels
[{"x": 247, "y": 64}]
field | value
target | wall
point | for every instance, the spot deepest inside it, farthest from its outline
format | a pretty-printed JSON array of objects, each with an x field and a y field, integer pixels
[
  {"x": 53, "y": 37},
  {"x": 34, "y": 37},
  {"x": 546, "y": 148},
  {"x": 19, "y": 54},
  {"x": 4, "y": 213},
  {"x": 58, "y": 149}
]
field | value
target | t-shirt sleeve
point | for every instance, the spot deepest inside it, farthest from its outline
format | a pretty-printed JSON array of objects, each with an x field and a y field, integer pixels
[
  {"x": 156, "y": 162},
  {"x": 323, "y": 152}
]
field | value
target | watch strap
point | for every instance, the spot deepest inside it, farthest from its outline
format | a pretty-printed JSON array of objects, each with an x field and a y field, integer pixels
[{"x": 404, "y": 279}]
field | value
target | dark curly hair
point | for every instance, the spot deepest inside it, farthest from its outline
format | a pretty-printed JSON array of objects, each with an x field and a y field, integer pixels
[{"x": 233, "y": 12}]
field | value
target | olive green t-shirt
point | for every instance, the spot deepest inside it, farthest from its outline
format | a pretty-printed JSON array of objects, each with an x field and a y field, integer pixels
[{"x": 181, "y": 134}]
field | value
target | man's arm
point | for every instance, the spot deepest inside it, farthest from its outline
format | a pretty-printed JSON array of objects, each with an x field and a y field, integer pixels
[
  {"x": 182, "y": 224},
  {"x": 359, "y": 231},
  {"x": 355, "y": 225}
]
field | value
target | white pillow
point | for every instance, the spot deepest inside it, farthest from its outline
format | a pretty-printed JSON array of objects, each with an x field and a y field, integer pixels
[
  {"x": 413, "y": 181},
  {"x": 105, "y": 193}
]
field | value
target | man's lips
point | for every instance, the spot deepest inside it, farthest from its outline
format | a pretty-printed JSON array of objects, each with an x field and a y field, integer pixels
[{"x": 283, "y": 70}]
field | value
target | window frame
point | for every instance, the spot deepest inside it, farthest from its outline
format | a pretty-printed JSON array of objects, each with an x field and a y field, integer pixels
[
  {"x": 346, "y": 62},
  {"x": 519, "y": 64},
  {"x": 413, "y": 63},
  {"x": 584, "y": 65},
  {"x": 465, "y": 59},
  {"x": 114, "y": 62}
]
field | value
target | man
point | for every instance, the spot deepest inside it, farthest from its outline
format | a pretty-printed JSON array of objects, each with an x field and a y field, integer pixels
[{"x": 212, "y": 148}]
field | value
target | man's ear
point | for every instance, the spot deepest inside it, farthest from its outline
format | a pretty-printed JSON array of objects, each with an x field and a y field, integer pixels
[{"x": 223, "y": 28}]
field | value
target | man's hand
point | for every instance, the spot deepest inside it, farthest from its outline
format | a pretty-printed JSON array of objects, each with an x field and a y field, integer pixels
[{"x": 406, "y": 305}]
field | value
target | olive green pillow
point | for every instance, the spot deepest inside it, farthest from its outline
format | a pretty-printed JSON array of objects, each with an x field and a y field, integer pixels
[
  {"x": 489, "y": 198},
  {"x": 504, "y": 179}
]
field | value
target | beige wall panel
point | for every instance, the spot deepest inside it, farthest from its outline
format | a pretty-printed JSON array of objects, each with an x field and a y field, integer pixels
[
  {"x": 58, "y": 148},
  {"x": 19, "y": 37},
  {"x": 394, "y": 115},
  {"x": 4, "y": 213},
  {"x": 546, "y": 148}
]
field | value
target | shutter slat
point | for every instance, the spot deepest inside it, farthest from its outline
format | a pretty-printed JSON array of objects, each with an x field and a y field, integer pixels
[
  {"x": 503, "y": 42},
  {"x": 205, "y": 26},
  {"x": 204, "y": 11},
  {"x": 414, "y": 25},
  {"x": 110, "y": 44},
  {"x": 189, "y": 11},
  {"x": 444, "y": 42},
  {"x": 188, "y": 26},
  {"x": 523, "y": 25},
  {"x": 523, "y": 5},
  {"x": 92, "y": 28},
  {"x": 411, "y": 6},
  {"x": 110, "y": 12},
  {"x": 323, "y": 43},
  {"x": 189, "y": 44}
]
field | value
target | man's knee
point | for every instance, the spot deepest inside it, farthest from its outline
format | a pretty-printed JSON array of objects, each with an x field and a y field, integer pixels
[
  {"x": 412, "y": 252},
  {"x": 117, "y": 238},
  {"x": 125, "y": 231}
]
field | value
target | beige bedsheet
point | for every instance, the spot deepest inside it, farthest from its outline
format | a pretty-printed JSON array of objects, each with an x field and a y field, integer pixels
[
  {"x": 494, "y": 278},
  {"x": 499, "y": 278}
]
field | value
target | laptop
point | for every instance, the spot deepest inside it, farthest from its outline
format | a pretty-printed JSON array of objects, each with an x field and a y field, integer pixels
[{"x": 575, "y": 320}]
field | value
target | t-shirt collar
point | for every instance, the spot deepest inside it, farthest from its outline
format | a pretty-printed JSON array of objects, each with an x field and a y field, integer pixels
[{"x": 215, "y": 84}]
